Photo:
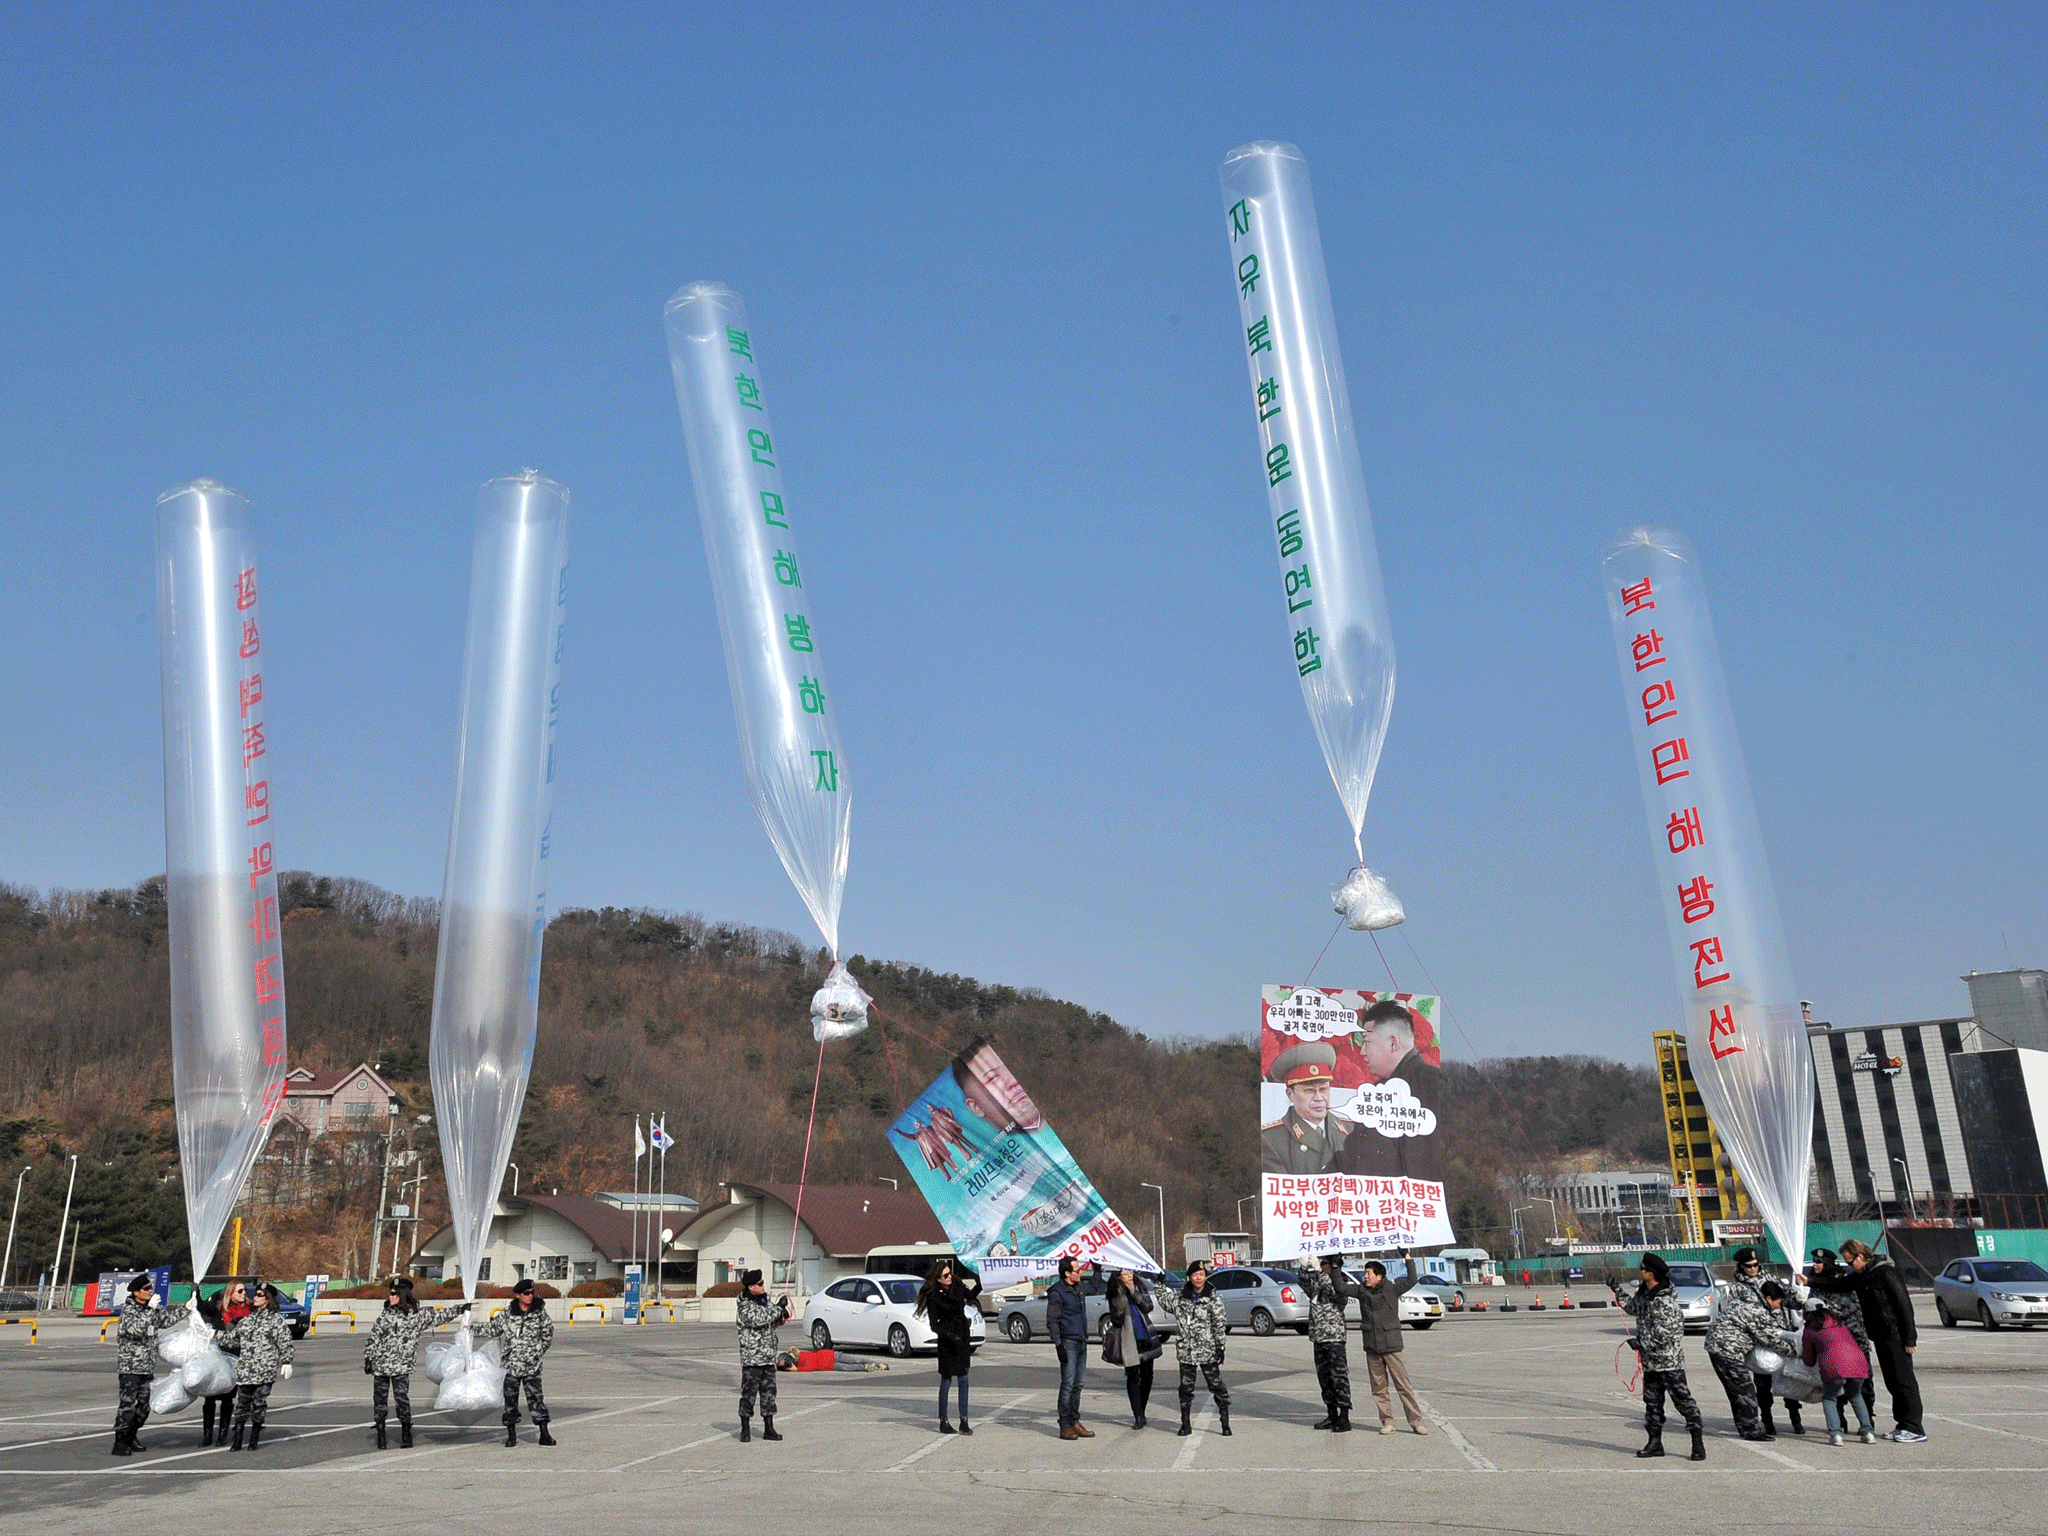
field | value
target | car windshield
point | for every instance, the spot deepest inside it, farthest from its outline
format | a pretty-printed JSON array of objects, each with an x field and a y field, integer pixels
[
  {"x": 2009, "y": 1270},
  {"x": 1690, "y": 1275},
  {"x": 902, "y": 1292}
]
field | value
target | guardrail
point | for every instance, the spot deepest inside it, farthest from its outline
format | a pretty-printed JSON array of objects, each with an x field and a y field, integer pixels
[
  {"x": 110, "y": 1322},
  {"x": 668, "y": 1307},
  {"x": 313, "y": 1326},
  {"x": 25, "y": 1322},
  {"x": 598, "y": 1305}
]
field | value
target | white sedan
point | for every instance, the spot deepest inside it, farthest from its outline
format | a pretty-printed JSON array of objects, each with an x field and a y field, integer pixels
[{"x": 876, "y": 1312}]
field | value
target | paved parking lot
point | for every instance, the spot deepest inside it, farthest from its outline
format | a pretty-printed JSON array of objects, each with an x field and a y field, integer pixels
[{"x": 1532, "y": 1432}]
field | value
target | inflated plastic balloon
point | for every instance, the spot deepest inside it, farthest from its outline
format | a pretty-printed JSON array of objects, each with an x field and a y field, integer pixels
[
  {"x": 1337, "y": 626},
  {"x": 788, "y": 721},
  {"x": 227, "y": 961},
  {"x": 1745, "y": 1034},
  {"x": 494, "y": 896}
]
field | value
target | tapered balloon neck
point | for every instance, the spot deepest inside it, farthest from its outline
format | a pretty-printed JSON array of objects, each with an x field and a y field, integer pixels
[{"x": 1648, "y": 540}]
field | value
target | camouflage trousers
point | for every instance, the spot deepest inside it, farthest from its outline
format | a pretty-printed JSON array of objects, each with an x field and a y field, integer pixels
[
  {"x": 251, "y": 1403},
  {"x": 133, "y": 1410},
  {"x": 757, "y": 1381},
  {"x": 399, "y": 1390},
  {"x": 1739, "y": 1382},
  {"x": 1333, "y": 1375},
  {"x": 1655, "y": 1385},
  {"x": 536, "y": 1402},
  {"x": 1212, "y": 1374}
]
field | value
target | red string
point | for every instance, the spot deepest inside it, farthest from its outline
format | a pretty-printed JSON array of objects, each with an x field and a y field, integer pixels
[
  {"x": 1325, "y": 950},
  {"x": 900, "y": 1024},
  {"x": 887, "y": 1054},
  {"x": 817, "y": 1078}
]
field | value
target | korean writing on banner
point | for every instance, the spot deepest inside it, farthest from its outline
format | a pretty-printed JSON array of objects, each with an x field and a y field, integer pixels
[{"x": 266, "y": 970}]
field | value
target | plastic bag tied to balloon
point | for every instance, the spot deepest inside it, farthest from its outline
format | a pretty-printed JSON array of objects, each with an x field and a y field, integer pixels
[
  {"x": 839, "y": 1008},
  {"x": 787, "y": 719},
  {"x": 494, "y": 896},
  {"x": 1339, "y": 637},
  {"x": 226, "y": 958},
  {"x": 1366, "y": 902},
  {"x": 471, "y": 1375},
  {"x": 1745, "y": 1033}
]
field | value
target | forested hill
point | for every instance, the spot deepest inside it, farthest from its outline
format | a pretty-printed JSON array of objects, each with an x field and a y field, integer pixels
[{"x": 707, "y": 1022}]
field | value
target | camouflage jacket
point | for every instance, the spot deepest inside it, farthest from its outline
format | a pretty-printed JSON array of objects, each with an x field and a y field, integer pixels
[
  {"x": 260, "y": 1343},
  {"x": 1847, "y": 1309},
  {"x": 396, "y": 1334},
  {"x": 1327, "y": 1297},
  {"x": 136, "y": 1337},
  {"x": 1741, "y": 1325},
  {"x": 526, "y": 1337},
  {"x": 1660, "y": 1327},
  {"x": 1199, "y": 1340},
  {"x": 757, "y": 1322}
]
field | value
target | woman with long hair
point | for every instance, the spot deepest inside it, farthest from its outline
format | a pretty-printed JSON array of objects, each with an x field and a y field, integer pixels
[
  {"x": 947, "y": 1293},
  {"x": 1130, "y": 1340}
]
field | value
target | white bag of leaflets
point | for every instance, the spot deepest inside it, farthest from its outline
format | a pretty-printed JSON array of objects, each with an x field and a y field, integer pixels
[
  {"x": 177, "y": 1345},
  {"x": 169, "y": 1394},
  {"x": 1366, "y": 902},
  {"x": 839, "y": 1009},
  {"x": 472, "y": 1377},
  {"x": 209, "y": 1372},
  {"x": 199, "y": 1367}
]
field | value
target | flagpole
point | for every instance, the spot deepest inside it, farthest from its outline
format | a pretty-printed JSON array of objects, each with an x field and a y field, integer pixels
[
  {"x": 661, "y": 1208},
  {"x": 633, "y": 1244}
]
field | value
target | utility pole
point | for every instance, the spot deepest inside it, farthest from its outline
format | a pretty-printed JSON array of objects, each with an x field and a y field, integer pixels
[
  {"x": 1162, "y": 1219},
  {"x": 383, "y": 1191},
  {"x": 62, "y": 1222},
  {"x": 9, "y": 1259}
]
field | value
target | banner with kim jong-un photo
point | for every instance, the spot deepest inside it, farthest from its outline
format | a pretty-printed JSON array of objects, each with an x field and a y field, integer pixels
[{"x": 1350, "y": 1084}]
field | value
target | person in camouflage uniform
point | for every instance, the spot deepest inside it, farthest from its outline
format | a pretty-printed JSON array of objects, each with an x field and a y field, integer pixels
[
  {"x": 262, "y": 1346},
  {"x": 143, "y": 1317},
  {"x": 758, "y": 1320},
  {"x": 1660, "y": 1340},
  {"x": 1329, "y": 1290},
  {"x": 1846, "y": 1307},
  {"x": 1199, "y": 1343},
  {"x": 388, "y": 1356},
  {"x": 1743, "y": 1321},
  {"x": 527, "y": 1331}
]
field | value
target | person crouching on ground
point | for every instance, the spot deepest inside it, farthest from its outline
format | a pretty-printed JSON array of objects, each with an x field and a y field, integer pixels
[
  {"x": 527, "y": 1332},
  {"x": 757, "y": 1322},
  {"x": 223, "y": 1311},
  {"x": 1066, "y": 1319},
  {"x": 945, "y": 1296},
  {"x": 1660, "y": 1340},
  {"x": 1744, "y": 1322},
  {"x": 1329, "y": 1290},
  {"x": 1828, "y": 1345},
  {"x": 143, "y": 1317},
  {"x": 1130, "y": 1340},
  {"x": 262, "y": 1346},
  {"x": 1379, "y": 1327},
  {"x": 387, "y": 1358},
  {"x": 1199, "y": 1344}
]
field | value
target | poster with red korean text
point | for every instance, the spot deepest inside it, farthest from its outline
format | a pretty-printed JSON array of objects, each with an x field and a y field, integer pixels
[{"x": 1348, "y": 1096}]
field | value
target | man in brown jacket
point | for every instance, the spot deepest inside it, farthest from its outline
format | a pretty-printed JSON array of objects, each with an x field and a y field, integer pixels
[{"x": 1379, "y": 1324}]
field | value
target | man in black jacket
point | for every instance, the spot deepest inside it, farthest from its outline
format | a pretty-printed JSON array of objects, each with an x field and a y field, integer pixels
[
  {"x": 1066, "y": 1319},
  {"x": 1888, "y": 1318}
]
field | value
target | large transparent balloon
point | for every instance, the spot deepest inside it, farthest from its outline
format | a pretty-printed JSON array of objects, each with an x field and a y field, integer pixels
[
  {"x": 1745, "y": 1036},
  {"x": 227, "y": 963},
  {"x": 788, "y": 723},
  {"x": 1342, "y": 642},
  {"x": 494, "y": 896}
]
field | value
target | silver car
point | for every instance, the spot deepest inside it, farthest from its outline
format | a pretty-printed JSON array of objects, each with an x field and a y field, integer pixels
[
  {"x": 1993, "y": 1292},
  {"x": 1694, "y": 1285},
  {"x": 1022, "y": 1321},
  {"x": 1263, "y": 1300}
]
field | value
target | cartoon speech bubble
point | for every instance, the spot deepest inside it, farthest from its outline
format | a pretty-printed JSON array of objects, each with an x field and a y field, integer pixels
[
  {"x": 1307, "y": 1013},
  {"x": 1390, "y": 1109}
]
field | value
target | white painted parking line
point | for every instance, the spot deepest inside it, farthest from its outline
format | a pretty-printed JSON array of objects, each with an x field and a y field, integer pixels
[
  {"x": 919, "y": 1455},
  {"x": 1770, "y": 1455},
  {"x": 1465, "y": 1447},
  {"x": 1989, "y": 1429},
  {"x": 724, "y": 1434},
  {"x": 1185, "y": 1461}
]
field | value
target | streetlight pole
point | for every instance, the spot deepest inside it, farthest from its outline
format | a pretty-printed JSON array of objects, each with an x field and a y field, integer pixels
[
  {"x": 1553, "y": 1214},
  {"x": 62, "y": 1222},
  {"x": 1513, "y": 1212},
  {"x": 1240, "y": 1208},
  {"x": 883, "y": 1178},
  {"x": 9, "y": 1259},
  {"x": 515, "y": 1178},
  {"x": 1909, "y": 1183},
  {"x": 1162, "y": 1219}
]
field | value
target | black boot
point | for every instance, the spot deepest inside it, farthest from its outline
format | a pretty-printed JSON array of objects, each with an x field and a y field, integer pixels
[
  {"x": 1793, "y": 1410},
  {"x": 1185, "y": 1427},
  {"x": 746, "y": 1430},
  {"x": 768, "y": 1427},
  {"x": 255, "y": 1434},
  {"x": 511, "y": 1434},
  {"x": 1223, "y": 1417},
  {"x": 405, "y": 1434},
  {"x": 380, "y": 1435},
  {"x": 1343, "y": 1424},
  {"x": 1770, "y": 1424},
  {"x": 545, "y": 1437},
  {"x": 1699, "y": 1444},
  {"x": 1654, "y": 1447},
  {"x": 236, "y": 1443},
  {"x": 122, "y": 1447},
  {"x": 946, "y": 1427},
  {"x": 1328, "y": 1420}
]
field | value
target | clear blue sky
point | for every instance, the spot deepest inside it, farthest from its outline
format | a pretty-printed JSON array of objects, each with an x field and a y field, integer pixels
[{"x": 1771, "y": 275}]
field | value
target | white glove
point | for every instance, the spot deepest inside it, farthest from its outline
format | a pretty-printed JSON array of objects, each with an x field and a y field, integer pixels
[
  {"x": 155, "y": 1301},
  {"x": 284, "y": 1373}
]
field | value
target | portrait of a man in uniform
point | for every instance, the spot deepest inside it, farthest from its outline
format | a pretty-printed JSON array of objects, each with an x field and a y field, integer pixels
[{"x": 1307, "y": 1139}]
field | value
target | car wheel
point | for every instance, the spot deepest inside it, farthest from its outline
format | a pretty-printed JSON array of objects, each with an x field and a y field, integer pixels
[
  {"x": 1019, "y": 1328},
  {"x": 1428, "y": 1322},
  {"x": 899, "y": 1340},
  {"x": 1262, "y": 1322},
  {"x": 1948, "y": 1318},
  {"x": 821, "y": 1336},
  {"x": 1984, "y": 1316}
]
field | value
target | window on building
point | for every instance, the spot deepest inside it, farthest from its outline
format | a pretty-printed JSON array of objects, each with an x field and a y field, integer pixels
[
  {"x": 357, "y": 1109},
  {"x": 483, "y": 1269},
  {"x": 783, "y": 1270},
  {"x": 553, "y": 1266}
]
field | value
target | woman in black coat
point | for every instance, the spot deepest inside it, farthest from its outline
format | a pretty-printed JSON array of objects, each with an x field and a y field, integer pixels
[
  {"x": 946, "y": 1296},
  {"x": 1130, "y": 1340}
]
